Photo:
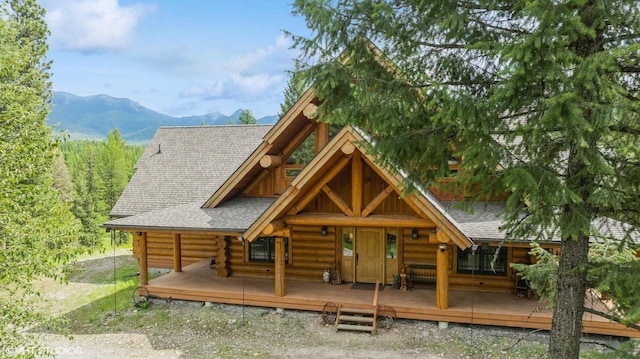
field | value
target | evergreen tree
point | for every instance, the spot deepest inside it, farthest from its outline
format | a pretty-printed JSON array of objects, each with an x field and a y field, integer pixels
[
  {"x": 246, "y": 118},
  {"x": 296, "y": 86},
  {"x": 88, "y": 161},
  {"x": 61, "y": 177},
  {"x": 37, "y": 230},
  {"x": 113, "y": 168},
  {"x": 540, "y": 98},
  {"x": 88, "y": 205}
]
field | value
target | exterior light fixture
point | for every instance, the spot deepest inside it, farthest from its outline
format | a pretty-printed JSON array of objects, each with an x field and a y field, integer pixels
[
  {"x": 414, "y": 233},
  {"x": 323, "y": 231},
  {"x": 443, "y": 247}
]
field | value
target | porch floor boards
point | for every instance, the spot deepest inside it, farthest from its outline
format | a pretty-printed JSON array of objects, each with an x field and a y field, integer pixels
[{"x": 198, "y": 282}]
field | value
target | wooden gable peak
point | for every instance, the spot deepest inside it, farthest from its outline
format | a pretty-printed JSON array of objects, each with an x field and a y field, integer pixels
[
  {"x": 347, "y": 147},
  {"x": 285, "y": 136}
]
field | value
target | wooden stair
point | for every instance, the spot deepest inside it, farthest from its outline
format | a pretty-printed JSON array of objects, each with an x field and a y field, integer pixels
[{"x": 358, "y": 317}]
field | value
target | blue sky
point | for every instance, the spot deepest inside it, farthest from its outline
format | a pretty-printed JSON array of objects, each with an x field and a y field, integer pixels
[{"x": 181, "y": 58}]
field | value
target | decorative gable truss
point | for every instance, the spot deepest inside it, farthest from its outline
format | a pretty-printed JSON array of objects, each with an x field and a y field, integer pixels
[{"x": 343, "y": 186}]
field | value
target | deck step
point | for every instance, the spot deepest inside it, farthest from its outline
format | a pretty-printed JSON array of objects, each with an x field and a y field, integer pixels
[
  {"x": 356, "y": 319},
  {"x": 361, "y": 328},
  {"x": 368, "y": 311}
]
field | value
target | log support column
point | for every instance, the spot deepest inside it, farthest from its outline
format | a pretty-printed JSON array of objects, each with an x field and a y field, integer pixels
[
  {"x": 144, "y": 269},
  {"x": 442, "y": 272},
  {"x": 177, "y": 253},
  {"x": 280, "y": 287}
]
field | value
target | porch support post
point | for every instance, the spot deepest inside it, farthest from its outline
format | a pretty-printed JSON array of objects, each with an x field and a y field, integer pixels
[
  {"x": 280, "y": 287},
  {"x": 442, "y": 272},
  {"x": 177, "y": 253},
  {"x": 144, "y": 269}
]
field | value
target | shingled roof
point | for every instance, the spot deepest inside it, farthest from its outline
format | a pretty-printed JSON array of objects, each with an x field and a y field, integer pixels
[
  {"x": 235, "y": 215},
  {"x": 183, "y": 165}
]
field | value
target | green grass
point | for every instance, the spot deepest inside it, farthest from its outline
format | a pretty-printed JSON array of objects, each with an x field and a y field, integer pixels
[{"x": 105, "y": 301}]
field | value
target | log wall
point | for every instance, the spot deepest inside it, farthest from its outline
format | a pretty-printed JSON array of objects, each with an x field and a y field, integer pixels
[
  {"x": 310, "y": 254},
  {"x": 421, "y": 250},
  {"x": 195, "y": 247}
]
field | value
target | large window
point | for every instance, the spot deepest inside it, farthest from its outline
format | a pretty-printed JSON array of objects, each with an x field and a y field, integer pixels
[
  {"x": 263, "y": 249},
  {"x": 486, "y": 260}
]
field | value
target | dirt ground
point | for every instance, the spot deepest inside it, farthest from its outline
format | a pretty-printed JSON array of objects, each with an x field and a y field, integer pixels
[{"x": 180, "y": 329}]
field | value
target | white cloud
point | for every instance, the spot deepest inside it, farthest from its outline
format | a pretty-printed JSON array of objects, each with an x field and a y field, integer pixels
[
  {"x": 256, "y": 75},
  {"x": 93, "y": 25},
  {"x": 258, "y": 58},
  {"x": 240, "y": 87}
]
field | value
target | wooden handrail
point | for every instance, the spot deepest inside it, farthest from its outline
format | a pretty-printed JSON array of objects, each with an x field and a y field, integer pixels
[{"x": 375, "y": 295}]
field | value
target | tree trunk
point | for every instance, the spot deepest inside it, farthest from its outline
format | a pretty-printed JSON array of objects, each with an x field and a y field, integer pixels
[{"x": 569, "y": 307}]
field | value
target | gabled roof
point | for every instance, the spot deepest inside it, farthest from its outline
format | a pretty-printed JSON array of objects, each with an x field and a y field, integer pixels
[
  {"x": 186, "y": 164},
  {"x": 332, "y": 157},
  {"x": 285, "y": 136}
]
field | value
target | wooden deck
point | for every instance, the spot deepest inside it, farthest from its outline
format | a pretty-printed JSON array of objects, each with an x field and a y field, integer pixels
[{"x": 198, "y": 282}]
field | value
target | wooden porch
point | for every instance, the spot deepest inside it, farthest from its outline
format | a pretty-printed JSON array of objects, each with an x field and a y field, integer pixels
[{"x": 198, "y": 282}]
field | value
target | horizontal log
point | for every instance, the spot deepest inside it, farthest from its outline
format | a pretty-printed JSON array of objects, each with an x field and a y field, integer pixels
[
  {"x": 160, "y": 252},
  {"x": 314, "y": 237},
  {"x": 160, "y": 245},
  {"x": 284, "y": 233},
  {"x": 222, "y": 271},
  {"x": 310, "y": 110},
  {"x": 312, "y": 262},
  {"x": 348, "y": 148},
  {"x": 274, "y": 226},
  {"x": 159, "y": 236},
  {"x": 314, "y": 244},
  {"x": 312, "y": 265},
  {"x": 370, "y": 221},
  {"x": 314, "y": 252},
  {"x": 197, "y": 244},
  {"x": 305, "y": 273},
  {"x": 270, "y": 161}
]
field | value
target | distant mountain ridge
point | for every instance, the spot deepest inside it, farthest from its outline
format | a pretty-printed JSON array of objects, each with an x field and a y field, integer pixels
[{"x": 93, "y": 117}]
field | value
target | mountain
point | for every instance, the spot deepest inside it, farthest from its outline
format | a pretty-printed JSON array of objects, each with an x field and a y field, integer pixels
[{"x": 93, "y": 117}]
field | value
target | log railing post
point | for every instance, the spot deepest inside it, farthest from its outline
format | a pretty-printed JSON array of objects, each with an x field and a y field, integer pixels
[
  {"x": 177, "y": 253},
  {"x": 144, "y": 269}
]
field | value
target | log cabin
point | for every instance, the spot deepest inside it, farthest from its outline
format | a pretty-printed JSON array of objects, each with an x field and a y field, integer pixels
[{"x": 219, "y": 204}]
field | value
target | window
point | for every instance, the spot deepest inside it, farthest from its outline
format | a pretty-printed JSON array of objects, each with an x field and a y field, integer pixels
[
  {"x": 392, "y": 245},
  {"x": 483, "y": 261},
  {"x": 263, "y": 249},
  {"x": 347, "y": 242}
]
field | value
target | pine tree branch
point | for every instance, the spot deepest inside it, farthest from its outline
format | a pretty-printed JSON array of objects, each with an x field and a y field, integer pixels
[
  {"x": 612, "y": 318},
  {"x": 625, "y": 129}
]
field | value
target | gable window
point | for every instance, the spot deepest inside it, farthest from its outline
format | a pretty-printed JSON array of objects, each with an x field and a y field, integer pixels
[
  {"x": 263, "y": 249},
  {"x": 484, "y": 261}
]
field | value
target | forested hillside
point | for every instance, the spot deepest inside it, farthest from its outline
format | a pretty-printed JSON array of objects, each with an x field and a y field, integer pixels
[{"x": 99, "y": 171}]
